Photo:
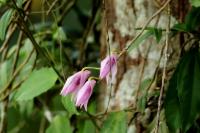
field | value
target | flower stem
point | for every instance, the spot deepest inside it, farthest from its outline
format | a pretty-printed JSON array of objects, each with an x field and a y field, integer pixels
[
  {"x": 94, "y": 68},
  {"x": 96, "y": 78}
]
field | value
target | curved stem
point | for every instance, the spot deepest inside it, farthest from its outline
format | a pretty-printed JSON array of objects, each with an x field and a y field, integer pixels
[
  {"x": 96, "y": 78},
  {"x": 92, "y": 68}
]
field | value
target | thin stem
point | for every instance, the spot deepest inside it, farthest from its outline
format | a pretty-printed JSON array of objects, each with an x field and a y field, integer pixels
[
  {"x": 51, "y": 7},
  {"x": 143, "y": 28},
  {"x": 96, "y": 78},
  {"x": 67, "y": 8},
  {"x": 17, "y": 71},
  {"x": 3, "y": 124},
  {"x": 164, "y": 72},
  {"x": 110, "y": 86},
  {"x": 92, "y": 68},
  {"x": 17, "y": 51},
  {"x": 23, "y": 26}
]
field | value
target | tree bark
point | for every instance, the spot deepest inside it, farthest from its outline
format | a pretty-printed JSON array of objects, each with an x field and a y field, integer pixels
[{"x": 119, "y": 23}]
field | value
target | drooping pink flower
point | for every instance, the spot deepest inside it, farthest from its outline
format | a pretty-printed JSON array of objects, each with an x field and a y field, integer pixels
[
  {"x": 85, "y": 93},
  {"x": 109, "y": 64},
  {"x": 75, "y": 82}
]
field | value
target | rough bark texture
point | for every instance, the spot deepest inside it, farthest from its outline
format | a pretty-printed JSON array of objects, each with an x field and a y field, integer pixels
[{"x": 120, "y": 19}]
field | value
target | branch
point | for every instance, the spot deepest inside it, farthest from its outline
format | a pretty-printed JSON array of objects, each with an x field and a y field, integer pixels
[
  {"x": 19, "y": 42},
  {"x": 12, "y": 29},
  {"x": 87, "y": 31},
  {"x": 23, "y": 26},
  {"x": 144, "y": 27},
  {"x": 15, "y": 75},
  {"x": 69, "y": 5},
  {"x": 164, "y": 72}
]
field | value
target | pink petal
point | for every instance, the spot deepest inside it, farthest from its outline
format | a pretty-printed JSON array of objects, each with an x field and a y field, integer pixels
[
  {"x": 109, "y": 64},
  {"x": 66, "y": 85},
  {"x": 85, "y": 93},
  {"x": 114, "y": 69},
  {"x": 105, "y": 67},
  {"x": 75, "y": 82},
  {"x": 84, "y": 77}
]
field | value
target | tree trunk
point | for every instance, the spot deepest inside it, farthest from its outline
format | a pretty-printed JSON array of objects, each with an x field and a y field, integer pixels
[{"x": 120, "y": 20}]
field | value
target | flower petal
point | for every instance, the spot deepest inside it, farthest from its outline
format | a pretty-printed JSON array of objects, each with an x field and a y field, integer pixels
[
  {"x": 85, "y": 93},
  {"x": 114, "y": 69},
  {"x": 105, "y": 67},
  {"x": 64, "y": 90},
  {"x": 75, "y": 82},
  {"x": 84, "y": 77},
  {"x": 109, "y": 64}
]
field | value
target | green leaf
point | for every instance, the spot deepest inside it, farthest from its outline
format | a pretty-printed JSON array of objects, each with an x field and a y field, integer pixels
[
  {"x": 60, "y": 34},
  {"x": 180, "y": 27},
  {"x": 60, "y": 124},
  {"x": 85, "y": 126},
  {"x": 172, "y": 105},
  {"x": 142, "y": 99},
  {"x": 38, "y": 82},
  {"x": 4, "y": 22},
  {"x": 140, "y": 39},
  {"x": 5, "y": 72},
  {"x": 182, "y": 102},
  {"x": 20, "y": 3},
  {"x": 189, "y": 89},
  {"x": 2, "y": 2},
  {"x": 26, "y": 107},
  {"x": 192, "y": 19},
  {"x": 69, "y": 105},
  {"x": 157, "y": 34},
  {"x": 141, "y": 104},
  {"x": 24, "y": 52},
  {"x": 195, "y": 3},
  {"x": 115, "y": 123},
  {"x": 145, "y": 84}
]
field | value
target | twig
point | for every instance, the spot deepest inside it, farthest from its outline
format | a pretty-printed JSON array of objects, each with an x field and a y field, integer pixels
[
  {"x": 87, "y": 31},
  {"x": 17, "y": 51},
  {"x": 6, "y": 93},
  {"x": 143, "y": 28},
  {"x": 66, "y": 10},
  {"x": 3, "y": 124},
  {"x": 12, "y": 29},
  {"x": 59, "y": 41},
  {"x": 6, "y": 99},
  {"x": 164, "y": 72},
  {"x": 51, "y": 7},
  {"x": 141, "y": 73},
  {"x": 110, "y": 86},
  {"x": 127, "y": 109},
  {"x": 8, "y": 36},
  {"x": 24, "y": 28},
  {"x": 143, "y": 66},
  {"x": 15, "y": 74}
]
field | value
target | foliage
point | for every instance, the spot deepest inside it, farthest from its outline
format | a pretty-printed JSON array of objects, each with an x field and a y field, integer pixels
[
  {"x": 37, "y": 83},
  {"x": 115, "y": 123},
  {"x": 182, "y": 100},
  {"x": 4, "y": 22}
]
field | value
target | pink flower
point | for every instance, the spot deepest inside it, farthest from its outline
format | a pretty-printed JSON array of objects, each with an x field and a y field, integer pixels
[
  {"x": 109, "y": 64},
  {"x": 75, "y": 82},
  {"x": 85, "y": 93}
]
